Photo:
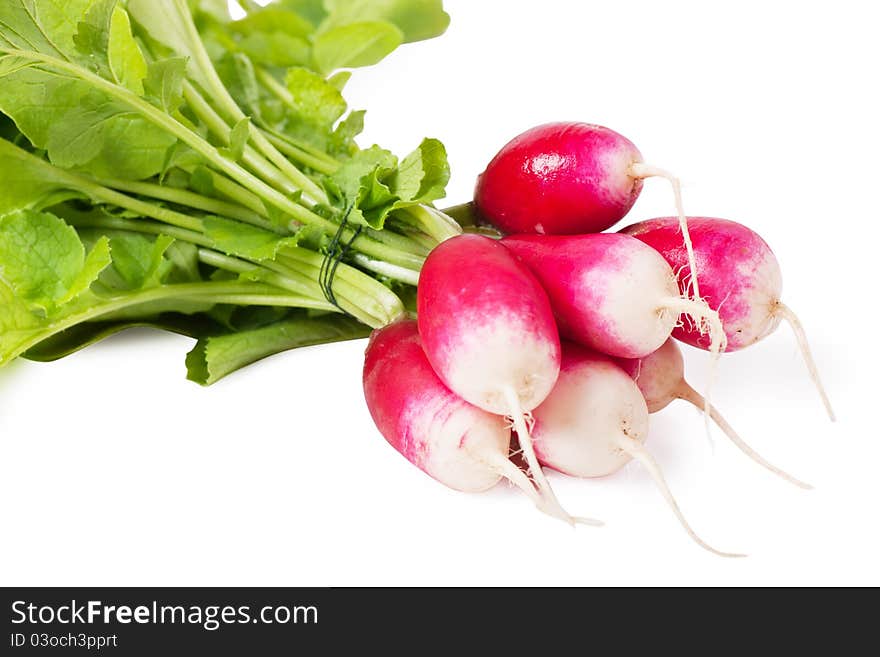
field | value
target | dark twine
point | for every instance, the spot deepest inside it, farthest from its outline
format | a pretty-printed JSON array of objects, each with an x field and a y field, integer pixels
[{"x": 336, "y": 251}]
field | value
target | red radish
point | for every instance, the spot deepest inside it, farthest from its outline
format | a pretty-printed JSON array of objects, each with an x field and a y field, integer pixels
[
  {"x": 566, "y": 179},
  {"x": 488, "y": 332},
  {"x": 660, "y": 378},
  {"x": 595, "y": 421},
  {"x": 454, "y": 442},
  {"x": 610, "y": 292},
  {"x": 741, "y": 279}
]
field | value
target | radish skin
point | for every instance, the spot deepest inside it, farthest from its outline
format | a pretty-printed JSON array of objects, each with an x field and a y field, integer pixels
[
  {"x": 454, "y": 442},
  {"x": 568, "y": 178},
  {"x": 741, "y": 279},
  {"x": 488, "y": 331},
  {"x": 595, "y": 421},
  {"x": 660, "y": 378},
  {"x": 610, "y": 292}
]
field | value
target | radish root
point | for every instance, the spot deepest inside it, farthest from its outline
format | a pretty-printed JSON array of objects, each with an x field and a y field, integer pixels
[
  {"x": 548, "y": 503},
  {"x": 518, "y": 478},
  {"x": 687, "y": 393},
  {"x": 704, "y": 315},
  {"x": 636, "y": 451},
  {"x": 800, "y": 335},
  {"x": 642, "y": 170}
]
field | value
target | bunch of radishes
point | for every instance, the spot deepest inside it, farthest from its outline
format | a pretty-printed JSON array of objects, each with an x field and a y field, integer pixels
[{"x": 485, "y": 355}]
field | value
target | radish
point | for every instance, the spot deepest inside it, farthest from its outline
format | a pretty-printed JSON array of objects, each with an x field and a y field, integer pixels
[
  {"x": 488, "y": 331},
  {"x": 454, "y": 442},
  {"x": 741, "y": 280},
  {"x": 595, "y": 421},
  {"x": 610, "y": 292},
  {"x": 660, "y": 378},
  {"x": 567, "y": 178}
]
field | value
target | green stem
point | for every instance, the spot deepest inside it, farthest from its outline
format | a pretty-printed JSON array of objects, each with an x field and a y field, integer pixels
[
  {"x": 398, "y": 241},
  {"x": 435, "y": 223},
  {"x": 227, "y": 104},
  {"x": 106, "y": 195},
  {"x": 366, "y": 290},
  {"x": 211, "y": 291},
  {"x": 233, "y": 170},
  {"x": 291, "y": 150},
  {"x": 294, "y": 280},
  {"x": 250, "y": 158},
  {"x": 109, "y": 222},
  {"x": 297, "y": 269},
  {"x": 234, "y": 192},
  {"x": 184, "y": 134},
  {"x": 189, "y": 199}
]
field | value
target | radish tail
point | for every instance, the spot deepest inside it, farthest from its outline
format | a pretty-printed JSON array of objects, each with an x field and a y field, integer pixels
[
  {"x": 687, "y": 393},
  {"x": 635, "y": 450},
  {"x": 518, "y": 478},
  {"x": 641, "y": 170},
  {"x": 703, "y": 314},
  {"x": 786, "y": 313},
  {"x": 549, "y": 503}
]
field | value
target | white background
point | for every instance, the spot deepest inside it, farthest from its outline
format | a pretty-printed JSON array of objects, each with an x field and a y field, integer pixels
[{"x": 114, "y": 470}]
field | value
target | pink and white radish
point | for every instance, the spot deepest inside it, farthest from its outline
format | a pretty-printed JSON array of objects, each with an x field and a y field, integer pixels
[
  {"x": 488, "y": 331},
  {"x": 660, "y": 378},
  {"x": 454, "y": 442},
  {"x": 565, "y": 179},
  {"x": 741, "y": 280},
  {"x": 595, "y": 421},
  {"x": 610, "y": 292}
]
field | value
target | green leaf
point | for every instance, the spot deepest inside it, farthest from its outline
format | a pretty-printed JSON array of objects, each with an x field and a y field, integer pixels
[
  {"x": 96, "y": 261},
  {"x": 81, "y": 127},
  {"x": 92, "y": 37},
  {"x": 166, "y": 22},
  {"x": 30, "y": 182},
  {"x": 416, "y": 19},
  {"x": 82, "y": 335},
  {"x": 273, "y": 19},
  {"x": 216, "y": 357},
  {"x": 202, "y": 181},
  {"x": 127, "y": 64},
  {"x": 312, "y": 10},
  {"x": 356, "y": 44},
  {"x": 43, "y": 260},
  {"x": 184, "y": 260},
  {"x": 17, "y": 322},
  {"x": 243, "y": 240},
  {"x": 345, "y": 183},
  {"x": 105, "y": 138},
  {"x": 315, "y": 100},
  {"x": 237, "y": 72},
  {"x": 138, "y": 261},
  {"x": 238, "y": 138},
  {"x": 339, "y": 79},
  {"x": 342, "y": 140},
  {"x": 423, "y": 174},
  {"x": 276, "y": 49},
  {"x": 46, "y": 26},
  {"x": 163, "y": 85}
]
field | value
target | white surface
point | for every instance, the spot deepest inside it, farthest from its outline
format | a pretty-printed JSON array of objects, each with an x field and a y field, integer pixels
[{"x": 114, "y": 470}]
